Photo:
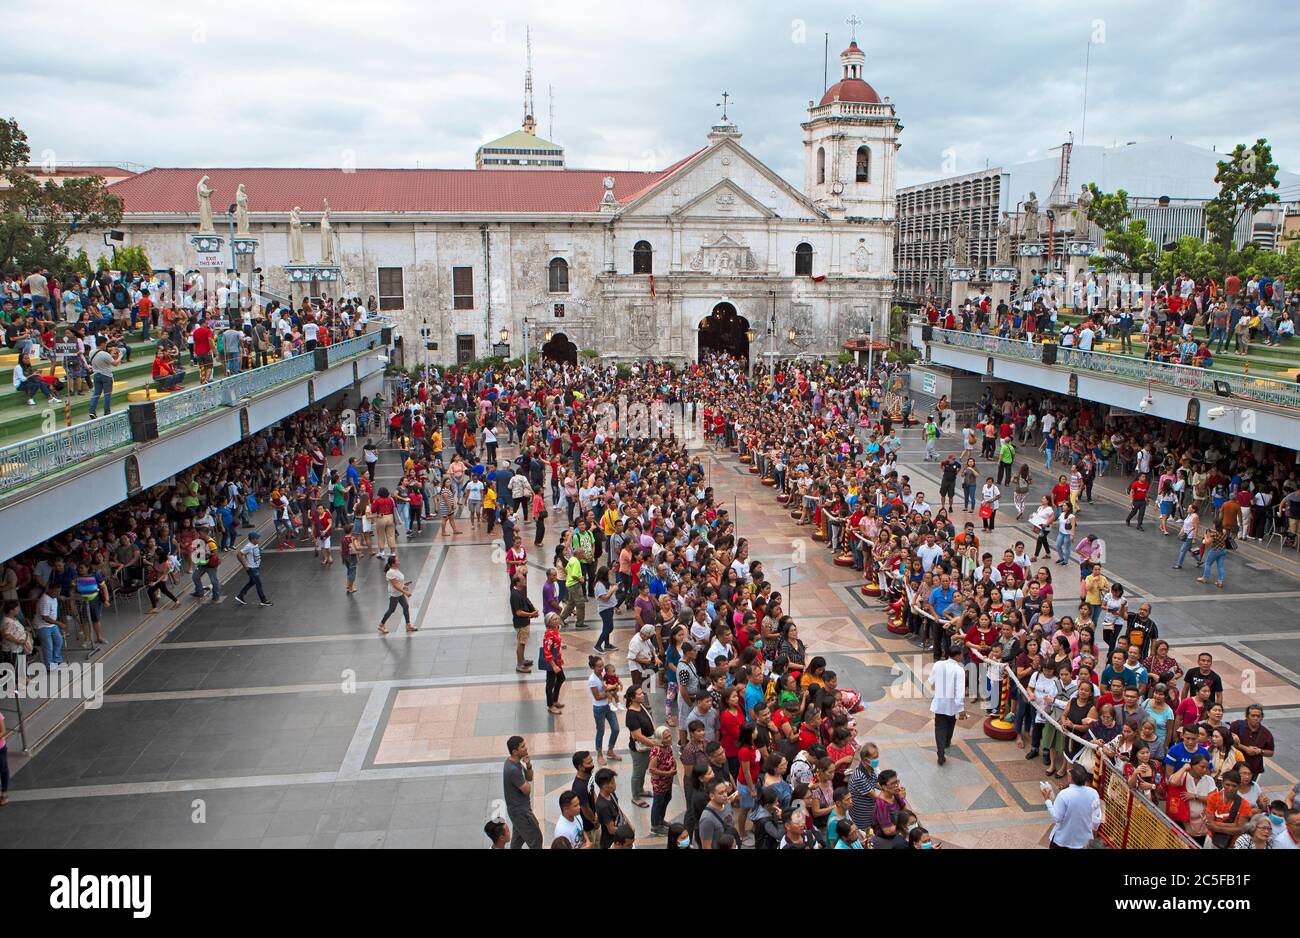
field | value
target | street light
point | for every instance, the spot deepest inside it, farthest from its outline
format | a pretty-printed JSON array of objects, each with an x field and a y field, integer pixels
[
  {"x": 793, "y": 334},
  {"x": 505, "y": 335}
]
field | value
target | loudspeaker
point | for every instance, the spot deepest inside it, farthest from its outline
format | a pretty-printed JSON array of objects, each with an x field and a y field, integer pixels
[
  {"x": 322, "y": 355},
  {"x": 1049, "y": 353},
  {"x": 144, "y": 421},
  {"x": 927, "y": 333}
]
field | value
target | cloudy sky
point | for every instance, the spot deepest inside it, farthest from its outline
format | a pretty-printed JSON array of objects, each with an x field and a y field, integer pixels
[{"x": 403, "y": 83}]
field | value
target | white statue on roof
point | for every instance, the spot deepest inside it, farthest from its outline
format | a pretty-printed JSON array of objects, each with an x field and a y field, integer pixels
[
  {"x": 326, "y": 236},
  {"x": 241, "y": 212},
  {"x": 296, "y": 253},
  {"x": 204, "y": 193}
]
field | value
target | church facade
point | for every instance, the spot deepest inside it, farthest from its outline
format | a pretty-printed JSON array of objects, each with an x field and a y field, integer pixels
[{"x": 707, "y": 253}]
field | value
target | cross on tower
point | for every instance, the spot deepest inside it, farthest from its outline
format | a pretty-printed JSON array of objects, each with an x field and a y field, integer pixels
[
  {"x": 723, "y": 105},
  {"x": 853, "y": 22}
]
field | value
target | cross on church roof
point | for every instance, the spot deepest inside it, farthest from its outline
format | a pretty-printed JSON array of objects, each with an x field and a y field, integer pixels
[
  {"x": 853, "y": 22},
  {"x": 723, "y": 104}
]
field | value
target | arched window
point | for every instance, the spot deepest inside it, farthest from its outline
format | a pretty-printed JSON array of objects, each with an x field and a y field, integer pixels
[
  {"x": 803, "y": 260},
  {"x": 864, "y": 165},
  {"x": 642, "y": 258},
  {"x": 559, "y": 279},
  {"x": 821, "y": 165}
]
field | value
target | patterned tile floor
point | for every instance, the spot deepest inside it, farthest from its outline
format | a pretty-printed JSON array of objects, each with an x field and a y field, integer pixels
[{"x": 300, "y": 726}]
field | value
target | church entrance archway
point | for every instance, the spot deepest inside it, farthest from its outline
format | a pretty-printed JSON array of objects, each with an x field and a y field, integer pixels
[
  {"x": 723, "y": 330},
  {"x": 561, "y": 350}
]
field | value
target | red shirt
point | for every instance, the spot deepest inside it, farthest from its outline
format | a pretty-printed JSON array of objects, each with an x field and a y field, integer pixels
[
  {"x": 202, "y": 341},
  {"x": 729, "y": 727},
  {"x": 163, "y": 367},
  {"x": 383, "y": 506},
  {"x": 1060, "y": 494},
  {"x": 752, "y": 757},
  {"x": 1139, "y": 490}
]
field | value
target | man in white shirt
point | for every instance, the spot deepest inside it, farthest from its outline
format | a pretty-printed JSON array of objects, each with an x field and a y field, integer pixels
[
  {"x": 947, "y": 680},
  {"x": 569, "y": 826},
  {"x": 1076, "y": 812},
  {"x": 929, "y": 552}
]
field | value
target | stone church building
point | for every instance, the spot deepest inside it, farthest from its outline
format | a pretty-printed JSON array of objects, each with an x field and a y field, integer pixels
[{"x": 704, "y": 254}]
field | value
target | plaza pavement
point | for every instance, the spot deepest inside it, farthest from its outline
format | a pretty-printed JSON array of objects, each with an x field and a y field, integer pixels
[{"x": 299, "y": 726}]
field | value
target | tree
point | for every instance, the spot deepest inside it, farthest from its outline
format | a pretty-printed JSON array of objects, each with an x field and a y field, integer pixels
[
  {"x": 37, "y": 219},
  {"x": 133, "y": 258},
  {"x": 1191, "y": 256},
  {"x": 1247, "y": 182},
  {"x": 1128, "y": 247}
]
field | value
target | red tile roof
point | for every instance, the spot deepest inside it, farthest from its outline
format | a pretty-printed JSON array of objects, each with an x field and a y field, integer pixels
[
  {"x": 850, "y": 89},
  {"x": 386, "y": 190}
]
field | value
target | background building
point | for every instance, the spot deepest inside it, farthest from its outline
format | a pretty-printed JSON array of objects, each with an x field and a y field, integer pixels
[
  {"x": 1168, "y": 184},
  {"x": 633, "y": 264}
]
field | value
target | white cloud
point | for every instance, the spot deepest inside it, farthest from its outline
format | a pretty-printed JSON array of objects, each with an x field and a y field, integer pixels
[{"x": 396, "y": 83}]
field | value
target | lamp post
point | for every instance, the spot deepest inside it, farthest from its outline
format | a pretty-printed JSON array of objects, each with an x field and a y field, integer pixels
[
  {"x": 234, "y": 269},
  {"x": 771, "y": 342},
  {"x": 527, "y": 341},
  {"x": 750, "y": 335}
]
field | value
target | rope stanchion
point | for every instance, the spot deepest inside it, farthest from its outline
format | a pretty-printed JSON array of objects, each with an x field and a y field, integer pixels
[{"x": 996, "y": 725}]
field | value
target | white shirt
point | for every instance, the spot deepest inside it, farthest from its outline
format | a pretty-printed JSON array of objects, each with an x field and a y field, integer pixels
[
  {"x": 948, "y": 681},
  {"x": 595, "y": 682},
  {"x": 637, "y": 648},
  {"x": 1077, "y": 813},
  {"x": 48, "y": 607},
  {"x": 716, "y": 650},
  {"x": 929, "y": 554},
  {"x": 1085, "y": 340},
  {"x": 570, "y": 830}
]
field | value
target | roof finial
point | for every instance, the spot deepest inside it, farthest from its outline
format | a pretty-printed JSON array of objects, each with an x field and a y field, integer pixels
[
  {"x": 723, "y": 104},
  {"x": 853, "y": 22}
]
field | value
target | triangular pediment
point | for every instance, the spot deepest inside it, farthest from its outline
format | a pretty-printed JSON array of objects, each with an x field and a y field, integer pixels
[
  {"x": 726, "y": 170},
  {"x": 727, "y": 199}
]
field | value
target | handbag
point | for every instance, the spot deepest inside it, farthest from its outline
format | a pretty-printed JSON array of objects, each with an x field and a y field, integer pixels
[
  {"x": 1176, "y": 804},
  {"x": 986, "y": 511}
]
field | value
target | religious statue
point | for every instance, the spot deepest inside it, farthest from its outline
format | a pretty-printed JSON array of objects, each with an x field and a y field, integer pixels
[
  {"x": 205, "y": 207},
  {"x": 1003, "y": 258},
  {"x": 1029, "y": 226},
  {"x": 296, "y": 253},
  {"x": 241, "y": 212},
  {"x": 326, "y": 237},
  {"x": 1081, "y": 213},
  {"x": 960, "y": 253}
]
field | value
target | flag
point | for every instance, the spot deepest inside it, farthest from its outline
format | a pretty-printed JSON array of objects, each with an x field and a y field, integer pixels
[
  {"x": 652, "y": 284},
  {"x": 817, "y": 279}
]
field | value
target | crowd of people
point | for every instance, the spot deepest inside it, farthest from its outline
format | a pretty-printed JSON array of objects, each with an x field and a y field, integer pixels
[
  {"x": 184, "y": 530},
  {"x": 87, "y": 325},
  {"x": 758, "y": 733},
  {"x": 1186, "y": 320}
]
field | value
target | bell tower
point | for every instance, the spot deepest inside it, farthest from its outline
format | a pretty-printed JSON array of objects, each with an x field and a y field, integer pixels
[{"x": 850, "y": 142}]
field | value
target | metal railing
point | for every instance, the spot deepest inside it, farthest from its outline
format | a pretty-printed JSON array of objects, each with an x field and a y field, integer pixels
[
  {"x": 350, "y": 348},
  {"x": 34, "y": 459},
  {"x": 21, "y": 463},
  {"x": 1189, "y": 378}
]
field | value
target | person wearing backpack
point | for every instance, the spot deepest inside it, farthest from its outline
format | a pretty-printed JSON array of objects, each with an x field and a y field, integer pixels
[
  {"x": 206, "y": 560},
  {"x": 717, "y": 818}
]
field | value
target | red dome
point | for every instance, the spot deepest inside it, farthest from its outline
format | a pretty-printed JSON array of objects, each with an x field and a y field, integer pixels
[
  {"x": 852, "y": 49},
  {"x": 850, "y": 89}
]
